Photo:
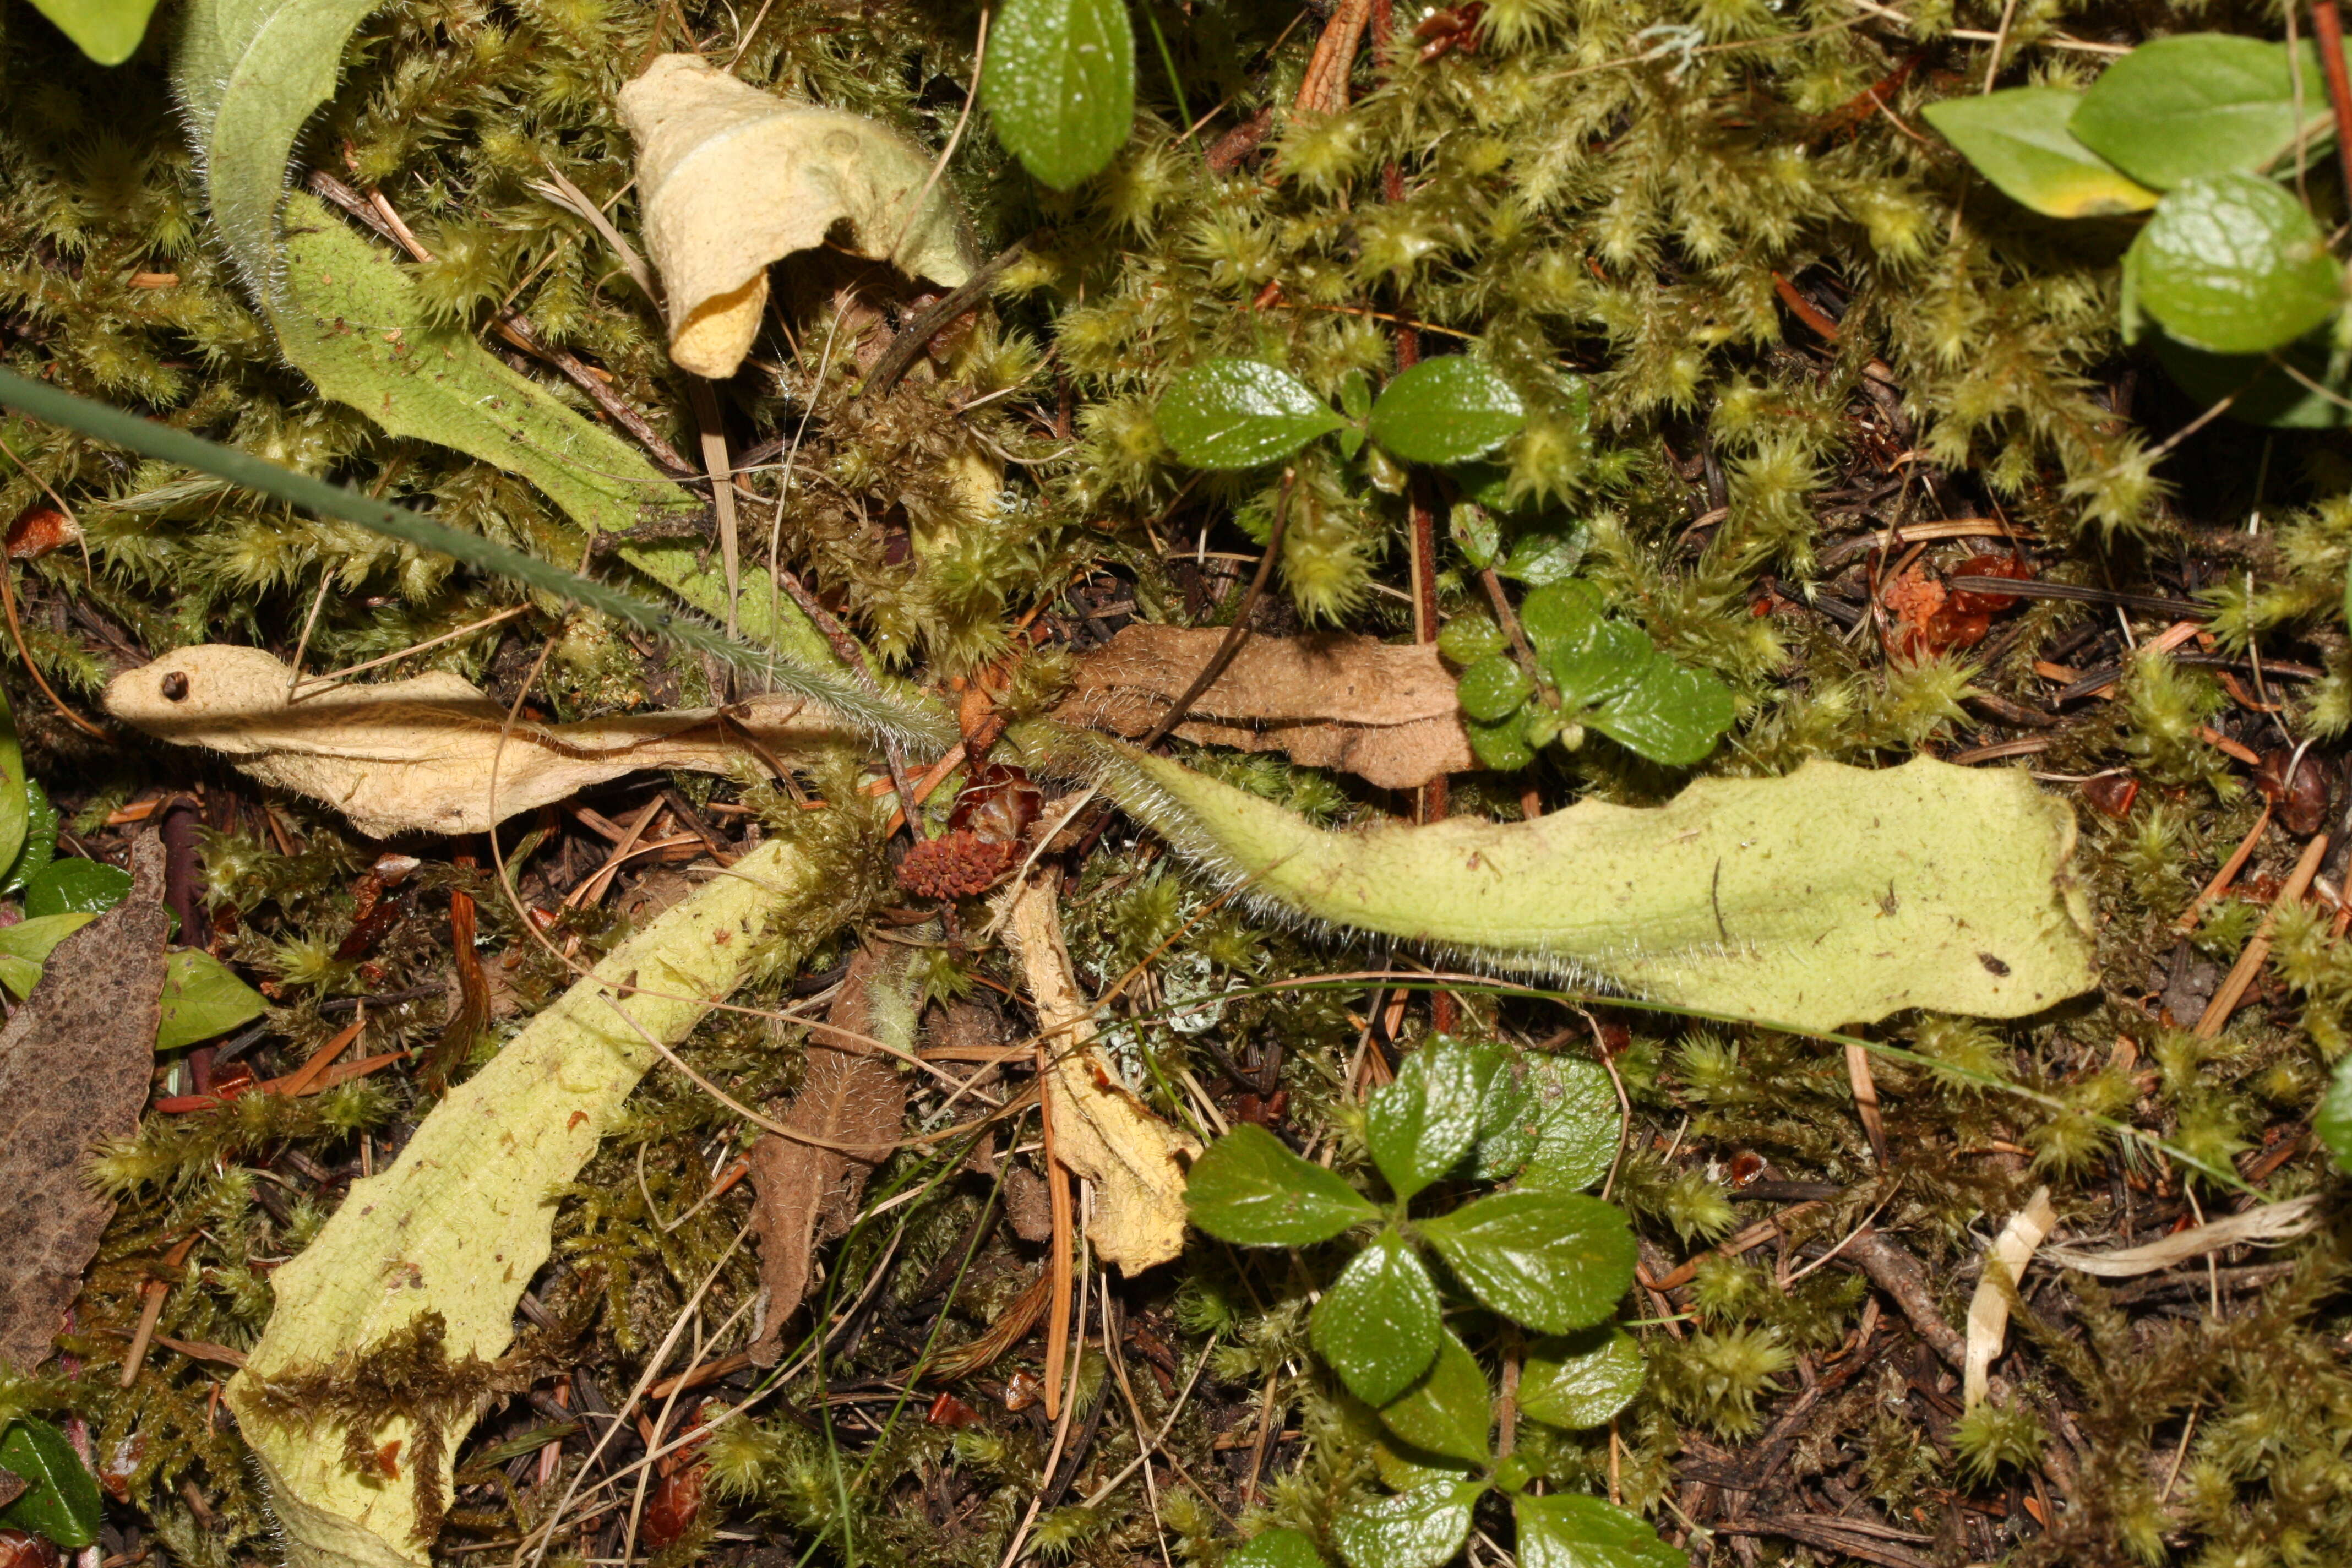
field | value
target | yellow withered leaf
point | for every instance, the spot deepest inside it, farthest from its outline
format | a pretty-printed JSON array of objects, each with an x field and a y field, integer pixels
[{"x": 733, "y": 178}]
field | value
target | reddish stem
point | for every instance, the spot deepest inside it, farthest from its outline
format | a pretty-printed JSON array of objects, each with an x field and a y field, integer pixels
[{"x": 2329, "y": 25}]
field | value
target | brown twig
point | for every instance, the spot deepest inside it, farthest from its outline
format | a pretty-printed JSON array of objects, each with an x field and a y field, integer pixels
[
  {"x": 898, "y": 355},
  {"x": 2250, "y": 962},
  {"x": 1239, "y": 631}
]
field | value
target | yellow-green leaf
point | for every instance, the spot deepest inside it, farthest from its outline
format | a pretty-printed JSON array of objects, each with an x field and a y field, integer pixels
[{"x": 2019, "y": 140}]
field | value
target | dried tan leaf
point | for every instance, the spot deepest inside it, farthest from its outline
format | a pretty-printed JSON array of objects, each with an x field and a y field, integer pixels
[
  {"x": 418, "y": 754},
  {"x": 733, "y": 178},
  {"x": 2269, "y": 1223},
  {"x": 1384, "y": 711},
  {"x": 850, "y": 1094},
  {"x": 75, "y": 1063},
  {"x": 2004, "y": 1269},
  {"x": 1102, "y": 1131}
]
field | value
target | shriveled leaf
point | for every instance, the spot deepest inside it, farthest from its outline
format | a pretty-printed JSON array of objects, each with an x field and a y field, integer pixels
[
  {"x": 202, "y": 998},
  {"x": 2019, "y": 140},
  {"x": 1449, "y": 1408},
  {"x": 1833, "y": 895},
  {"x": 1237, "y": 414},
  {"x": 76, "y": 886},
  {"x": 1581, "y": 1378},
  {"x": 1567, "y": 1530},
  {"x": 60, "y": 1500},
  {"x": 1378, "y": 1324},
  {"x": 1670, "y": 714},
  {"x": 2234, "y": 265},
  {"x": 1060, "y": 85},
  {"x": 108, "y": 31},
  {"x": 1420, "y": 1126},
  {"x": 1553, "y": 1261},
  {"x": 2196, "y": 104},
  {"x": 1420, "y": 1529},
  {"x": 1578, "y": 1122},
  {"x": 1250, "y": 1190},
  {"x": 731, "y": 179},
  {"x": 1277, "y": 1548},
  {"x": 1447, "y": 410}
]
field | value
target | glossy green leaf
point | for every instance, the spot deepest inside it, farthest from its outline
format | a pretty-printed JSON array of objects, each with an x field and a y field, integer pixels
[
  {"x": 2018, "y": 140},
  {"x": 1420, "y": 1126},
  {"x": 60, "y": 1501},
  {"x": 2200, "y": 104},
  {"x": 1507, "y": 1116},
  {"x": 1238, "y": 414},
  {"x": 2233, "y": 265},
  {"x": 1544, "y": 557},
  {"x": 1551, "y": 1260},
  {"x": 40, "y": 845},
  {"x": 1447, "y": 410},
  {"x": 1565, "y": 1531},
  {"x": 1279, "y": 1548},
  {"x": 24, "y": 947},
  {"x": 1448, "y": 1410},
  {"x": 1466, "y": 639},
  {"x": 1673, "y": 715},
  {"x": 1606, "y": 659},
  {"x": 202, "y": 998},
  {"x": 1378, "y": 1324},
  {"x": 1503, "y": 747},
  {"x": 1492, "y": 689},
  {"x": 1561, "y": 612},
  {"x": 1420, "y": 1529},
  {"x": 2334, "y": 1121},
  {"x": 16, "y": 798},
  {"x": 1247, "y": 1188},
  {"x": 1581, "y": 1378},
  {"x": 108, "y": 31},
  {"x": 1060, "y": 85},
  {"x": 76, "y": 884},
  {"x": 1475, "y": 534},
  {"x": 1578, "y": 1122}
]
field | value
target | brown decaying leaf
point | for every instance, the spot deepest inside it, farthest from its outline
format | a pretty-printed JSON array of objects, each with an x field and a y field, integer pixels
[
  {"x": 74, "y": 1064},
  {"x": 1384, "y": 711},
  {"x": 418, "y": 754},
  {"x": 1102, "y": 1131},
  {"x": 850, "y": 1094}
]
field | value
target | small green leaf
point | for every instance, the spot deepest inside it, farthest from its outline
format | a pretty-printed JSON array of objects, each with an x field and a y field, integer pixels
[
  {"x": 1492, "y": 689},
  {"x": 2234, "y": 265},
  {"x": 1420, "y": 1529},
  {"x": 2334, "y": 1123},
  {"x": 1422, "y": 1124},
  {"x": 1378, "y": 1324},
  {"x": 1565, "y": 1531},
  {"x": 1060, "y": 85},
  {"x": 108, "y": 31},
  {"x": 40, "y": 847},
  {"x": 14, "y": 790},
  {"x": 61, "y": 1497},
  {"x": 1578, "y": 1122},
  {"x": 1247, "y": 1188},
  {"x": 1237, "y": 414},
  {"x": 1503, "y": 747},
  {"x": 1507, "y": 1115},
  {"x": 201, "y": 999},
  {"x": 1673, "y": 715},
  {"x": 1475, "y": 534},
  {"x": 1561, "y": 612},
  {"x": 1608, "y": 658},
  {"x": 1581, "y": 1378},
  {"x": 1355, "y": 395},
  {"x": 1276, "y": 1548},
  {"x": 1448, "y": 1409},
  {"x": 2018, "y": 140},
  {"x": 1447, "y": 410},
  {"x": 1466, "y": 639},
  {"x": 2198, "y": 104},
  {"x": 1552, "y": 1260},
  {"x": 76, "y": 884},
  {"x": 1546, "y": 557}
]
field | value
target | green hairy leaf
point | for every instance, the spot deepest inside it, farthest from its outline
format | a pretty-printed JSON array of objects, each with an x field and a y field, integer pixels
[
  {"x": 1419, "y": 1529},
  {"x": 2019, "y": 140},
  {"x": 62, "y": 1500},
  {"x": 1582, "y": 1379},
  {"x": 1378, "y": 1324},
  {"x": 1834, "y": 895},
  {"x": 1420, "y": 1126},
  {"x": 1572, "y": 1531},
  {"x": 1060, "y": 85},
  {"x": 1248, "y": 1189},
  {"x": 201, "y": 999},
  {"x": 1552, "y": 1260},
  {"x": 1447, "y": 410},
  {"x": 1238, "y": 414},
  {"x": 2234, "y": 265},
  {"x": 108, "y": 31},
  {"x": 2200, "y": 104}
]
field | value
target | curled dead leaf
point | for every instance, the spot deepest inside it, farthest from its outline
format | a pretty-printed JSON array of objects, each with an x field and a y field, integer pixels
[{"x": 734, "y": 178}]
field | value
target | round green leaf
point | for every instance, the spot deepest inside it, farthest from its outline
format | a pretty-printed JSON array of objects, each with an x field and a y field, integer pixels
[
  {"x": 1606, "y": 659},
  {"x": 1466, "y": 639},
  {"x": 1378, "y": 1324},
  {"x": 2233, "y": 265},
  {"x": 1492, "y": 689},
  {"x": 1420, "y": 1126},
  {"x": 40, "y": 845},
  {"x": 1508, "y": 1123},
  {"x": 2196, "y": 104},
  {"x": 1060, "y": 85},
  {"x": 1578, "y": 1122},
  {"x": 1247, "y": 1188},
  {"x": 1572, "y": 1531},
  {"x": 1503, "y": 747},
  {"x": 1237, "y": 414},
  {"x": 1547, "y": 556},
  {"x": 108, "y": 31},
  {"x": 76, "y": 884},
  {"x": 61, "y": 1499},
  {"x": 1561, "y": 612},
  {"x": 1582, "y": 1379},
  {"x": 1671, "y": 715},
  {"x": 1553, "y": 1261},
  {"x": 201, "y": 999},
  {"x": 1448, "y": 1409},
  {"x": 1420, "y": 1529},
  {"x": 2019, "y": 140},
  {"x": 1275, "y": 1549},
  {"x": 1447, "y": 410}
]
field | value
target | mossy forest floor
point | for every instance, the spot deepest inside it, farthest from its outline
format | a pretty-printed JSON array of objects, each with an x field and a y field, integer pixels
[{"x": 1768, "y": 326}]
